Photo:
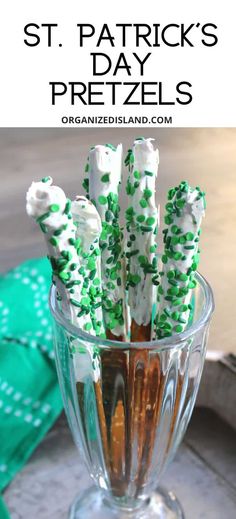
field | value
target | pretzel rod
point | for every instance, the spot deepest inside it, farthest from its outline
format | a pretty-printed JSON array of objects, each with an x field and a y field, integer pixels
[
  {"x": 185, "y": 209},
  {"x": 89, "y": 228},
  {"x": 142, "y": 219},
  {"x": 102, "y": 186},
  {"x": 74, "y": 271}
]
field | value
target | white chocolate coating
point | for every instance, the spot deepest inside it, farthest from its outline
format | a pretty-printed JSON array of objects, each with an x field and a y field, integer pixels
[
  {"x": 141, "y": 185},
  {"x": 188, "y": 222},
  {"x": 40, "y": 198},
  {"x": 106, "y": 160},
  {"x": 89, "y": 226}
]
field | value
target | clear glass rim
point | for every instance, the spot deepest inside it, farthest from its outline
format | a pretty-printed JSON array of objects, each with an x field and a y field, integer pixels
[{"x": 159, "y": 344}]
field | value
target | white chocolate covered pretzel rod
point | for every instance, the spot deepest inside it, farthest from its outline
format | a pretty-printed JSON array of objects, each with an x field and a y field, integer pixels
[
  {"x": 74, "y": 270},
  {"x": 185, "y": 209},
  {"x": 102, "y": 186},
  {"x": 142, "y": 220}
]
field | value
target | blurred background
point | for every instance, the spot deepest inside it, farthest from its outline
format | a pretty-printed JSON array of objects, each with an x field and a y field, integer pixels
[{"x": 204, "y": 157}]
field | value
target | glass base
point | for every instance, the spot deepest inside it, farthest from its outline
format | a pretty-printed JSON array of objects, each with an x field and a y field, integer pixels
[{"x": 91, "y": 504}]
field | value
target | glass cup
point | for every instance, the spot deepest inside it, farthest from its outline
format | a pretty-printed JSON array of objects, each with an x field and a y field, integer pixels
[{"x": 128, "y": 406}]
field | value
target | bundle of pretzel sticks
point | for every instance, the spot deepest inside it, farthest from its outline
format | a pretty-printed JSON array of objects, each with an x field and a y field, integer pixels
[{"x": 107, "y": 275}]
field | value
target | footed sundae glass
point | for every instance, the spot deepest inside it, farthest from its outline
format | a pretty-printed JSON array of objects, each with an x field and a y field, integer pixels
[{"x": 128, "y": 406}]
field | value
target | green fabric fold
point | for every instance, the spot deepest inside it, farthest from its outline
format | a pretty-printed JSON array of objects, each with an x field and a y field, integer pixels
[{"x": 30, "y": 399}]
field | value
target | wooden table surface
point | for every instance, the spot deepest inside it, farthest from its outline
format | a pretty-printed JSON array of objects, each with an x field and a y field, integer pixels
[{"x": 205, "y": 157}]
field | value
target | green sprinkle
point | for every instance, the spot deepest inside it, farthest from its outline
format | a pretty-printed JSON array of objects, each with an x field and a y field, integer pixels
[
  {"x": 176, "y": 302},
  {"x": 67, "y": 207},
  {"x": 177, "y": 255},
  {"x": 174, "y": 229},
  {"x": 64, "y": 276},
  {"x": 183, "y": 308},
  {"x": 174, "y": 240},
  {"x": 163, "y": 317},
  {"x": 164, "y": 258},
  {"x": 86, "y": 168},
  {"x": 168, "y": 220},
  {"x": 171, "y": 274},
  {"x": 66, "y": 254},
  {"x": 143, "y": 203},
  {"x": 91, "y": 265},
  {"x": 192, "y": 284},
  {"x": 147, "y": 193},
  {"x": 53, "y": 241},
  {"x": 150, "y": 220},
  {"x": 137, "y": 175},
  {"x": 142, "y": 259},
  {"x": 132, "y": 237},
  {"x": 189, "y": 247},
  {"x": 153, "y": 248},
  {"x": 96, "y": 282},
  {"x": 54, "y": 208},
  {"x": 43, "y": 227},
  {"x": 180, "y": 203},
  {"x": 183, "y": 277},
  {"x": 58, "y": 232},
  {"x": 173, "y": 291},
  {"x": 102, "y": 199},
  {"x": 189, "y": 236},
  {"x": 175, "y": 316},
  {"x": 171, "y": 193},
  {"x": 146, "y": 228},
  {"x": 71, "y": 241},
  {"x": 74, "y": 302},
  {"x": 87, "y": 327},
  {"x": 45, "y": 179},
  {"x": 108, "y": 215},
  {"x": 43, "y": 217},
  {"x": 130, "y": 211},
  {"x": 105, "y": 178},
  {"x": 140, "y": 218},
  {"x": 111, "y": 146},
  {"x": 85, "y": 184},
  {"x": 148, "y": 173},
  {"x": 132, "y": 253},
  {"x": 169, "y": 207},
  {"x": 85, "y": 301},
  {"x": 136, "y": 278},
  {"x": 178, "y": 328},
  {"x": 73, "y": 266}
]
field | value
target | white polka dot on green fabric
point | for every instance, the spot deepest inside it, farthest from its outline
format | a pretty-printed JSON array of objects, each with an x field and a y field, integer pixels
[
  {"x": 8, "y": 409},
  {"x": 28, "y": 418},
  {"x": 37, "y": 422}
]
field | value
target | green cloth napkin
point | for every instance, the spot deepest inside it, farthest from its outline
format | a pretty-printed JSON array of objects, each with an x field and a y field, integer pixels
[
  {"x": 29, "y": 393},
  {"x": 3, "y": 510}
]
